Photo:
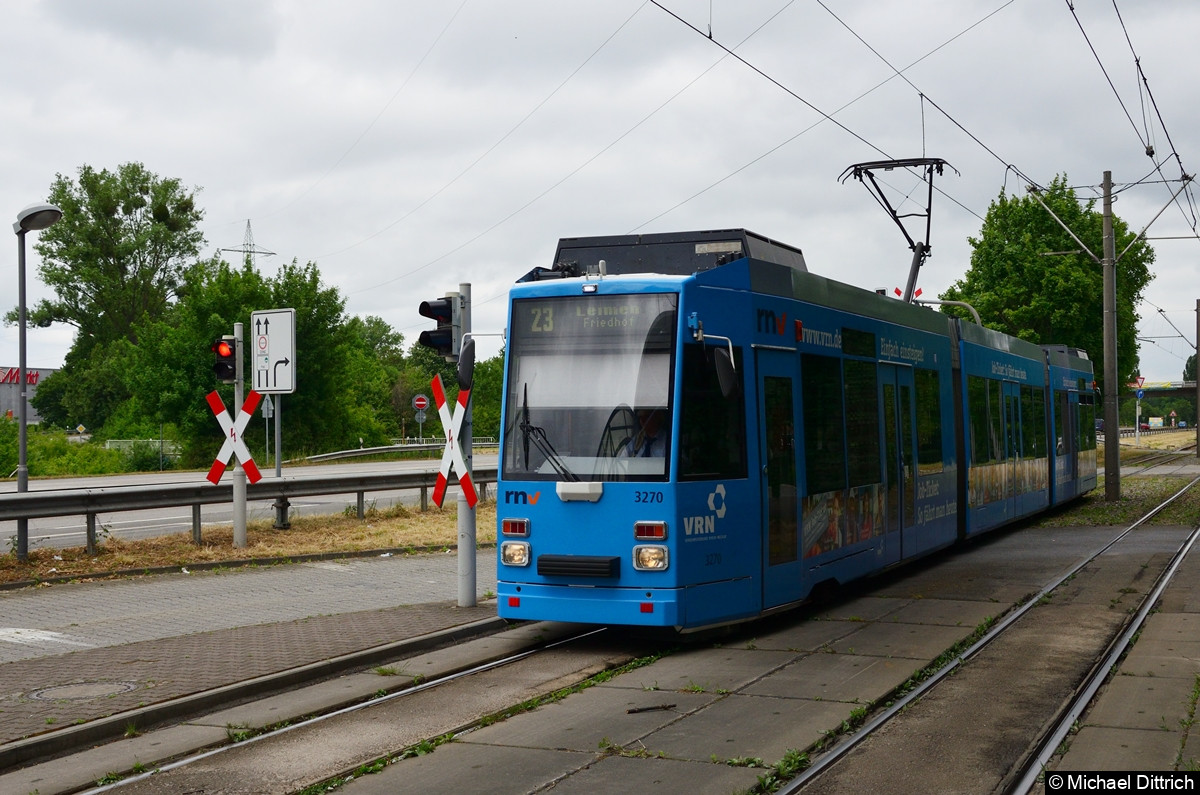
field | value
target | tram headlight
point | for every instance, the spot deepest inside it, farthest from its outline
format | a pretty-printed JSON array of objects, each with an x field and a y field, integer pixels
[
  {"x": 514, "y": 553},
  {"x": 650, "y": 558}
]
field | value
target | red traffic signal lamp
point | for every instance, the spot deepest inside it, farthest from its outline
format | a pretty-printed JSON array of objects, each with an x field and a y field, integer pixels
[
  {"x": 225, "y": 361},
  {"x": 447, "y": 337}
]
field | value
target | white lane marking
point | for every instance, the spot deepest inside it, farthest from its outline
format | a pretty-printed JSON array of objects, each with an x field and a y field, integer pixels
[{"x": 37, "y": 637}]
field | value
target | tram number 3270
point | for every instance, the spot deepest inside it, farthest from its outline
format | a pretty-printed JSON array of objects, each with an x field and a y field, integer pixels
[{"x": 648, "y": 496}]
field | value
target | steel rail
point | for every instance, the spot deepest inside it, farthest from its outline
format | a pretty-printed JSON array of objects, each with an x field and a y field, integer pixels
[
  {"x": 276, "y": 733},
  {"x": 839, "y": 750},
  {"x": 1102, "y": 671}
]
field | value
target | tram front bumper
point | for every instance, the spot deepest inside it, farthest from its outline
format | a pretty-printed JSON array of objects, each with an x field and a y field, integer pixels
[{"x": 656, "y": 607}]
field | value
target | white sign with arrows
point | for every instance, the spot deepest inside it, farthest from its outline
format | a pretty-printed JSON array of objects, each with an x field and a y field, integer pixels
[{"x": 273, "y": 351}]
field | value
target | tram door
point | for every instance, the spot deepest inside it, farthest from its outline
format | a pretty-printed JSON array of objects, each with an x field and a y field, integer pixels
[
  {"x": 777, "y": 412},
  {"x": 1066, "y": 429},
  {"x": 899, "y": 421}
]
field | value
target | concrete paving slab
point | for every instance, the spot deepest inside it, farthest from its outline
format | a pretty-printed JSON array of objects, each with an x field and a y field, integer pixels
[
  {"x": 298, "y": 702},
  {"x": 915, "y": 641},
  {"x": 1106, "y": 748},
  {"x": 739, "y": 726},
  {"x": 118, "y": 756},
  {"x": 619, "y": 775},
  {"x": 836, "y": 677},
  {"x": 1003, "y": 567},
  {"x": 1176, "y": 659},
  {"x": 724, "y": 669},
  {"x": 946, "y": 612},
  {"x": 1171, "y": 626},
  {"x": 807, "y": 636},
  {"x": 1141, "y": 702},
  {"x": 1189, "y": 757},
  {"x": 587, "y": 720},
  {"x": 478, "y": 769},
  {"x": 1184, "y": 594},
  {"x": 862, "y": 608}
]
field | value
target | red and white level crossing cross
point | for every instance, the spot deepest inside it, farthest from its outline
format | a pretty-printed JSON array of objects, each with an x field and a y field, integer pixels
[
  {"x": 234, "y": 445},
  {"x": 451, "y": 423}
]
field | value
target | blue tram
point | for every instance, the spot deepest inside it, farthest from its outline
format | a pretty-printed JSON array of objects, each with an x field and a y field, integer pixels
[{"x": 697, "y": 431}]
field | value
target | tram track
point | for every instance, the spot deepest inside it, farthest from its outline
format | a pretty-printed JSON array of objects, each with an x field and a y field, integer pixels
[
  {"x": 1157, "y": 459},
  {"x": 829, "y": 770},
  {"x": 835, "y": 638},
  {"x": 156, "y": 780}
]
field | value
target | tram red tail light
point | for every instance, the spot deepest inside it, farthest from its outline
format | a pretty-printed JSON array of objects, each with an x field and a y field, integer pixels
[
  {"x": 515, "y": 527},
  {"x": 650, "y": 531}
]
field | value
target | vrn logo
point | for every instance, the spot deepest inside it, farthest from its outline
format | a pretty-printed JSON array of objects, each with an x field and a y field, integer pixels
[
  {"x": 521, "y": 498},
  {"x": 705, "y": 524},
  {"x": 768, "y": 322}
]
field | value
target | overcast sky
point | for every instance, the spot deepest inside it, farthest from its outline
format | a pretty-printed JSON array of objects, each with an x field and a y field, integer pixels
[{"x": 406, "y": 147}]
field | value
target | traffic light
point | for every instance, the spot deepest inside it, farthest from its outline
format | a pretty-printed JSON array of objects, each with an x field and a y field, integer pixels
[
  {"x": 446, "y": 339},
  {"x": 225, "y": 361}
]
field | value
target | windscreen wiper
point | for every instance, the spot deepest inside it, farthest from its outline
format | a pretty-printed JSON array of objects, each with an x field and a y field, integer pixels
[{"x": 537, "y": 435}]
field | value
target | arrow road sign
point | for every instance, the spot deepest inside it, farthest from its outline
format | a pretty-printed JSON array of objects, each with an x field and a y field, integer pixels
[
  {"x": 274, "y": 350},
  {"x": 452, "y": 454},
  {"x": 234, "y": 445}
]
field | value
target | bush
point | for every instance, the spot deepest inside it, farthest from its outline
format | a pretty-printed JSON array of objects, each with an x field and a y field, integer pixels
[
  {"x": 144, "y": 456},
  {"x": 51, "y": 455}
]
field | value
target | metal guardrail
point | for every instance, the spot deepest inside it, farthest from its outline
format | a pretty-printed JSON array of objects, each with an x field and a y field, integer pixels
[
  {"x": 90, "y": 502},
  {"x": 431, "y": 446}
]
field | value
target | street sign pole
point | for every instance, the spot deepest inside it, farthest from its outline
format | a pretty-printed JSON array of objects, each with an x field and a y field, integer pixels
[
  {"x": 274, "y": 357},
  {"x": 281, "y": 503},
  {"x": 466, "y": 511},
  {"x": 239, "y": 473},
  {"x": 1137, "y": 420}
]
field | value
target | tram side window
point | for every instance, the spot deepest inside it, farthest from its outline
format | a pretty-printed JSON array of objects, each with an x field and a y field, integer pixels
[
  {"x": 1033, "y": 422},
  {"x": 712, "y": 426},
  {"x": 996, "y": 420},
  {"x": 929, "y": 421},
  {"x": 1062, "y": 442},
  {"x": 977, "y": 402},
  {"x": 824, "y": 423},
  {"x": 1087, "y": 422},
  {"x": 862, "y": 422}
]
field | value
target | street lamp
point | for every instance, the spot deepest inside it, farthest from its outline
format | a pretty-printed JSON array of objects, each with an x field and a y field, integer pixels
[{"x": 33, "y": 217}]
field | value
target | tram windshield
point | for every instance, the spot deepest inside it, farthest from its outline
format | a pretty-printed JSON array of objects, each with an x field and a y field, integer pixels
[{"x": 589, "y": 387}]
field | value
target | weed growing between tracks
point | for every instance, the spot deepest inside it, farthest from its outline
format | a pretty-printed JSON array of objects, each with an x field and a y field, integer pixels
[
  {"x": 431, "y": 745},
  {"x": 1138, "y": 496},
  {"x": 397, "y": 530}
]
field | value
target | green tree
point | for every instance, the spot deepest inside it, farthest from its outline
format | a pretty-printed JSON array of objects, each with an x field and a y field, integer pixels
[
  {"x": 119, "y": 252},
  {"x": 172, "y": 368},
  {"x": 375, "y": 358},
  {"x": 342, "y": 376},
  {"x": 114, "y": 262},
  {"x": 485, "y": 396},
  {"x": 1189, "y": 368},
  {"x": 1021, "y": 283}
]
